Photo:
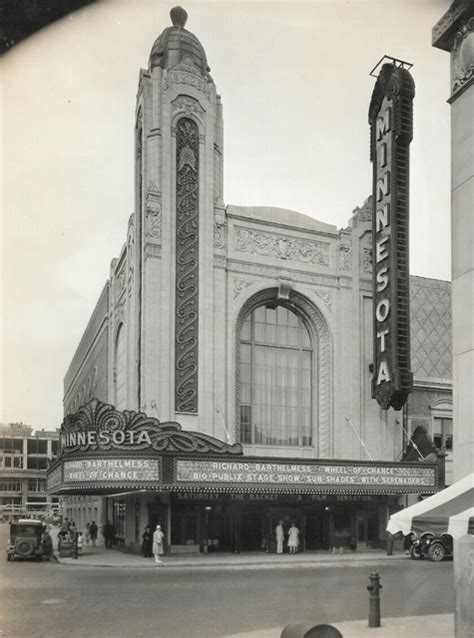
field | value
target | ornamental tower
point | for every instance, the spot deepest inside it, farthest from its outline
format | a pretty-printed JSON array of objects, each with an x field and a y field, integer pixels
[{"x": 179, "y": 193}]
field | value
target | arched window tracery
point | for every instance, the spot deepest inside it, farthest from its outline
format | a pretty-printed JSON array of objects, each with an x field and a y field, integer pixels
[{"x": 275, "y": 377}]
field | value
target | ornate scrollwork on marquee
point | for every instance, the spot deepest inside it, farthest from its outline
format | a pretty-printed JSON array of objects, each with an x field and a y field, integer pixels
[
  {"x": 98, "y": 426},
  {"x": 187, "y": 266}
]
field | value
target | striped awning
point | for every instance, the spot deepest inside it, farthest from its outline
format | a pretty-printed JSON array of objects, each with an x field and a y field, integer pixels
[{"x": 450, "y": 510}]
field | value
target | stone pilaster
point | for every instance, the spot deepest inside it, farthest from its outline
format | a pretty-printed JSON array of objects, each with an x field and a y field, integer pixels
[{"x": 455, "y": 33}]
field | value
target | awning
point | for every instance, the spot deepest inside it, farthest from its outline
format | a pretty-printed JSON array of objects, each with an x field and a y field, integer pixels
[{"x": 446, "y": 511}]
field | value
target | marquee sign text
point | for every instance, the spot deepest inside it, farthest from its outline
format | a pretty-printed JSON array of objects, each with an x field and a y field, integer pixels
[
  {"x": 300, "y": 475},
  {"x": 390, "y": 118},
  {"x": 115, "y": 470}
]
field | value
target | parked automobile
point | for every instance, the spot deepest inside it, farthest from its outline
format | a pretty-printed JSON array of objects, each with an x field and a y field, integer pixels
[
  {"x": 436, "y": 548},
  {"x": 26, "y": 539}
]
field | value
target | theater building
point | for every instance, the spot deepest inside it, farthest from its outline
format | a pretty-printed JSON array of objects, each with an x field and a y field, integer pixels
[{"x": 235, "y": 346}]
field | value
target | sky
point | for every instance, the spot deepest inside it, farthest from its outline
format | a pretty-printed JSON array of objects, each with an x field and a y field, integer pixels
[{"x": 295, "y": 86}]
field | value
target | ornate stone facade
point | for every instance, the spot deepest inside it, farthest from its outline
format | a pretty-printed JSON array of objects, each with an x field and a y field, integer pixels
[
  {"x": 281, "y": 246},
  {"x": 191, "y": 268},
  {"x": 187, "y": 266},
  {"x": 463, "y": 56}
]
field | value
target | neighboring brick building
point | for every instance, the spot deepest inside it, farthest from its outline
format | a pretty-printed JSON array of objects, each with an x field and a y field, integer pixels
[{"x": 431, "y": 403}]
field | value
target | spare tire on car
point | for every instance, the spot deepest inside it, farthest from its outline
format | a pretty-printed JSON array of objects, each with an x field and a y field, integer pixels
[{"x": 24, "y": 547}]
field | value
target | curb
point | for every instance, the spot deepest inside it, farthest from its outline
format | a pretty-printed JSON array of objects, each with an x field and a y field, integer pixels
[{"x": 239, "y": 566}]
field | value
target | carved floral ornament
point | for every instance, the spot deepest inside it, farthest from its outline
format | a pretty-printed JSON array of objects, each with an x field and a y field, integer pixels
[
  {"x": 281, "y": 246},
  {"x": 463, "y": 56},
  {"x": 345, "y": 251},
  {"x": 220, "y": 224},
  {"x": 186, "y": 73},
  {"x": 239, "y": 285},
  {"x": 188, "y": 106},
  {"x": 153, "y": 214},
  {"x": 219, "y": 235}
]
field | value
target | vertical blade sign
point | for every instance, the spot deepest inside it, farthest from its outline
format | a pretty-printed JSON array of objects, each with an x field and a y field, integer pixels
[{"x": 391, "y": 131}]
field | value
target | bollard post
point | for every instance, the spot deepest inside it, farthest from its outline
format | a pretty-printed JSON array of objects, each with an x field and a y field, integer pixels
[{"x": 374, "y": 600}]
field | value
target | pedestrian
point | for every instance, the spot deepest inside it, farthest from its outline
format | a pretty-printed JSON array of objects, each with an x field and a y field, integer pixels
[
  {"x": 48, "y": 549},
  {"x": 158, "y": 537},
  {"x": 147, "y": 542},
  {"x": 80, "y": 542},
  {"x": 88, "y": 533},
  {"x": 108, "y": 534},
  {"x": 293, "y": 539},
  {"x": 62, "y": 537},
  {"x": 280, "y": 535},
  {"x": 93, "y": 532},
  {"x": 74, "y": 535}
]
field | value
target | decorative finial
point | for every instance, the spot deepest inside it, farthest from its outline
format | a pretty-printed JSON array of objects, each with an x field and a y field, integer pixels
[{"x": 178, "y": 16}]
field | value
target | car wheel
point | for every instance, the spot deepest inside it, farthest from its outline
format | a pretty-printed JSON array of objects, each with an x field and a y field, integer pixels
[
  {"x": 415, "y": 552},
  {"x": 436, "y": 552},
  {"x": 24, "y": 548},
  {"x": 9, "y": 557}
]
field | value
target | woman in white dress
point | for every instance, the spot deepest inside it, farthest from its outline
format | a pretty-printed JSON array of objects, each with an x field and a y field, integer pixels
[
  {"x": 158, "y": 537},
  {"x": 293, "y": 539}
]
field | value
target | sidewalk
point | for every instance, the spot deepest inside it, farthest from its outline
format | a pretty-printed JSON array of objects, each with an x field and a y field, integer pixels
[
  {"x": 101, "y": 557},
  {"x": 438, "y": 626}
]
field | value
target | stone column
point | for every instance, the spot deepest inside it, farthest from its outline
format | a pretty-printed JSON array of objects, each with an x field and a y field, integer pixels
[{"x": 455, "y": 33}]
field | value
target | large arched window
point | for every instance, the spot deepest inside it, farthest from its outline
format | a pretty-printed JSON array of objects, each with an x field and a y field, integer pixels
[{"x": 275, "y": 378}]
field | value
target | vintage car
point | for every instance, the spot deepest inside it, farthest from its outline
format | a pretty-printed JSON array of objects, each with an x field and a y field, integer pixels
[
  {"x": 436, "y": 548},
  {"x": 26, "y": 539}
]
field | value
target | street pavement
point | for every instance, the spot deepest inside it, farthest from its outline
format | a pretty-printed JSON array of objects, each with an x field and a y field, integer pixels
[{"x": 75, "y": 600}]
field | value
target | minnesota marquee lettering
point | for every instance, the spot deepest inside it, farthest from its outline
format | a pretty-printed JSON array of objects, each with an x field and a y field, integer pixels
[{"x": 390, "y": 118}]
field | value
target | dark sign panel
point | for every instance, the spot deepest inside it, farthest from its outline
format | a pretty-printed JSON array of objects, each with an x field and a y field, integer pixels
[{"x": 391, "y": 131}]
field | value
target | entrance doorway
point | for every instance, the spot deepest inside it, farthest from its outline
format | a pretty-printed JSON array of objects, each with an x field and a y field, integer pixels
[
  {"x": 251, "y": 530},
  {"x": 318, "y": 529},
  {"x": 367, "y": 536},
  {"x": 287, "y": 515}
]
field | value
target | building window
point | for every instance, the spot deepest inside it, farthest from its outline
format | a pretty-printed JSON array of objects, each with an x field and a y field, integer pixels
[
  {"x": 275, "y": 378},
  {"x": 11, "y": 451},
  {"x": 10, "y": 485},
  {"x": 443, "y": 432},
  {"x": 36, "y": 485},
  {"x": 37, "y": 446},
  {"x": 37, "y": 463}
]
